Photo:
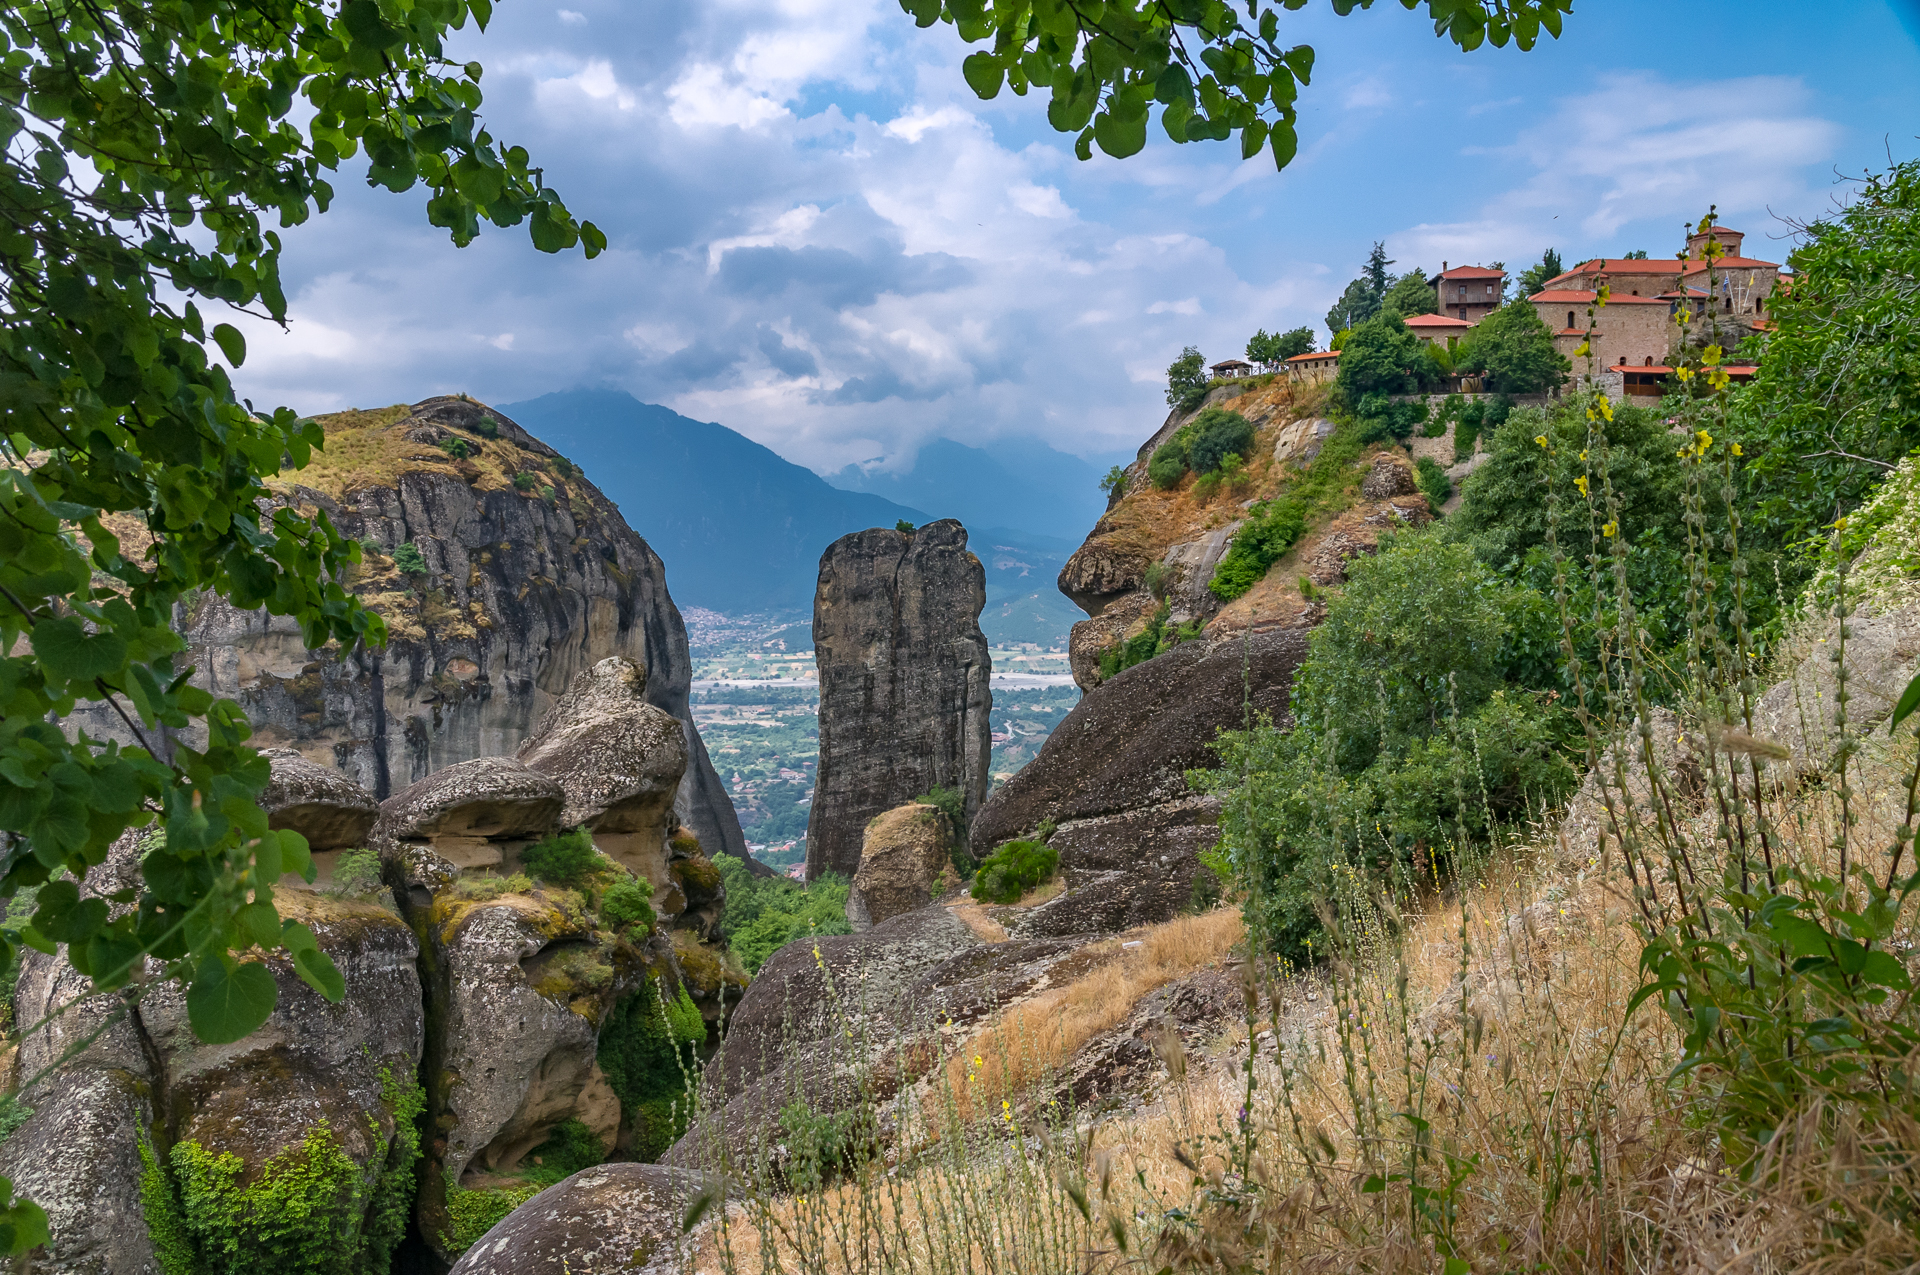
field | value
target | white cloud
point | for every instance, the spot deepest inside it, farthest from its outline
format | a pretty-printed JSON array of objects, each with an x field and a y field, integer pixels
[
  {"x": 569, "y": 18},
  {"x": 706, "y": 95},
  {"x": 1190, "y": 305},
  {"x": 502, "y": 342},
  {"x": 593, "y": 79},
  {"x": 788, "y": 230},
  {"x": 1640, "y": 148}
]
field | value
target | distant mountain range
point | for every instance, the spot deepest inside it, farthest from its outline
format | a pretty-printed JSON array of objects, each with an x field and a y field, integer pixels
[
  {"x": 1019, "y": 484},
  {"x": 741, "y": 529}
]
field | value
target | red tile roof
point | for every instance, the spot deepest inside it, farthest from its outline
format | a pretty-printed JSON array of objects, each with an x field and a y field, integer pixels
[
  {"x": 1323, "y": 354},
  {"x": 1470, "y": 272},
  {"x": 1659, "y": 266},
  {"x": 1567, "y": 296},
  {"x": 1436, "y": 321}
]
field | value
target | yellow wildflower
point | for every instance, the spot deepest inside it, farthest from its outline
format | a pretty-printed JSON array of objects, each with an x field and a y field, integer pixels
[
  {"x": 1610, "y": 528},
  {"x": 1586, "y": 348},
  {"x": 1706, "y": 439},
  {"x": 1581, "y": 483},
  {"x": 1736, "y": 449},
  {"x": 1606, "y": 408},
  {"x": 1683, "y": 373},
  {"x": 1540, "y": 439},
  {"x": 1711, "y": 355}
]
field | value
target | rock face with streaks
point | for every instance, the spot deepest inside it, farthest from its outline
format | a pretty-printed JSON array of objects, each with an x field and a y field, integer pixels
[
  {"x": 335, "y": 1073},
  {"x": 904, "y": 698},
  {"x": 1112, "y": 777},
  {"x": 903, "y": 858},
  {"x": 619, "y": 760},
  {"x": 502, "y": 574},
  {"x": 613, "y": 1217}
]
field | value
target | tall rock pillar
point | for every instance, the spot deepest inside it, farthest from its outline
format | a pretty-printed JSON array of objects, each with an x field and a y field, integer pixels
[{"x": 904, "y": 699}]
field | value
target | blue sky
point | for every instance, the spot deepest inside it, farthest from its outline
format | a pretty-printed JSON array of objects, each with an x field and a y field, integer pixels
[{"x": 820, "y": 238}]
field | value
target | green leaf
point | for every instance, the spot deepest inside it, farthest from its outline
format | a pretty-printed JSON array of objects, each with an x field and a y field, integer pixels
[
  {"x": 260, "y": 923},
  {"x": 227, "y": 1000},
  {"x": 317, "y": 971},
  {"x": 23, "y": 1226},
  {"x": 231, "y": 343},
  {"x": 1174, "y": 85},
  {"x": 68, "y": 652},
  {"x": 1909, "y": 700},
  {"x": 983, "y": 74},
  {"x": 1883, "y": 969},
  {"x": 1117, "y": 137},
  {"x": 1284, "y": 142}
]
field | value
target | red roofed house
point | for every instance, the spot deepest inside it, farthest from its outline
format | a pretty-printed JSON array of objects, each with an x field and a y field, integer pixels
[
  {"x": 1314, "y": 368},
  {"x": 1469, "y": 293},
  {"x": 1438, "y": 327},
  {"x": 1638, "y": 326}
]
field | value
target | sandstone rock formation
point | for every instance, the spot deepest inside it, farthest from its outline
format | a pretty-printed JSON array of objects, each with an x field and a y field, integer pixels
[
  {"x": 1390, "y": 476},
  {"x": 526, "y": 576},
  {"x": 613, "y": 1217},
  {"x": 904, "y": 697},
  {"x": 474, "y": 814},
  {"x": 619, "y": 760},
  {"x": 903, "y": 857},
  {"x": 1112, "y": 776},
  {"x": 514, "y": 1047},
  {"x": 894, "y": 987},
  {"x": 322, "y": 805},
  {"x": 336, "y": 1068}
]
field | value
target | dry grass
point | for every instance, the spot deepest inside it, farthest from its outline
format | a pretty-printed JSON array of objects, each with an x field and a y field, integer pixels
[
  {"x": 1036, "y": 1038},
  {"x": 1462, "y": 1083}
]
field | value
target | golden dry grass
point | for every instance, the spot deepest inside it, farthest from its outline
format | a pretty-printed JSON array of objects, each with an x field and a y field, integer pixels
[
  {"x": 1037, "y": 1037},
  {"x": 1556, "y": 1137}
]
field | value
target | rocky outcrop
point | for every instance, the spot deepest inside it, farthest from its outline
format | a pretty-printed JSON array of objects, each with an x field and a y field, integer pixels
[
  {"x": 322, "y": 805},
  {"x": 335, "y": 1072},
  {"x": 904, "y": 697},
  {"x": 613, "y": 1217},
  {"x": 501, "y": 575},
  {"x": 1119, "y": 619},
  {"x": 519, "y": 1007},
  {"x": 1390, "y": 476},
  {"x": 903, "y": 857},
  {"x": 476, "y": 814},
  {"x": 619, "y": 760},
  {"x": 1112, "y": 777}
]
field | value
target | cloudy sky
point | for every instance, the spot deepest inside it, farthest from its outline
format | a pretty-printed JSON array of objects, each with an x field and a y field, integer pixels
[{"x": 820, "y": 238}]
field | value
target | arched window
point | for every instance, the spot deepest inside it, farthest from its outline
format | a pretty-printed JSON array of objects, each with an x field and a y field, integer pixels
[
  {"x": 1569, "y": 318},
  {"x": 1649, "y": 360}
]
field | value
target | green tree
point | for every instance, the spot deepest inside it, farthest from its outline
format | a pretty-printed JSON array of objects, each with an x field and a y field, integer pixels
[
  {"x": 1411, "y": 294},
  {"x": 1535, "y": 276},
  {"x": 1214, "y": 72},
  {"x": 1514, "y": 348},
  {"x": 1406, "y": 734},
  {"x": 1277, "y": 347},
  {"x": 1363, "y": 297},
  {"x": 146, "y": 146},
  {"x": 1187, "y": 379},
  {"x": 1382, "y": 356},
  {"x": 1836, "y": 401}
]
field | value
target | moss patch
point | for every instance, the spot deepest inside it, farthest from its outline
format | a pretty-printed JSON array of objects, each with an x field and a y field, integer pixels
[
  {"x": 646, "y": 1050},
  {"x": 310, "y": 1210}
]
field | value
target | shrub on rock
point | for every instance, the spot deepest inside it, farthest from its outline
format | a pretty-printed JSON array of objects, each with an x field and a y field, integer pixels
[{"x": 1014, "y": 869}]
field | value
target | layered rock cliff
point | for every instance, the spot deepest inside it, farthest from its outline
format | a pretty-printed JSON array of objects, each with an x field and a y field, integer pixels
[
  {"x": 485, "y": 988},
  {"x": 502, "y": 573},
  {"x": 904, "y": 697}
]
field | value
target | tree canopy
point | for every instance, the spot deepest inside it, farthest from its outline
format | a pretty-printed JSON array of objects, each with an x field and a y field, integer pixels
[
  {"x": 1535, "y": 276},
  {"x": 1213, "y": 72},
  {"x": 1187, "y": 379},
  {"x": 1837, "y": 398},
  {"x": 1277, "y": 347},
  {"x": 147, "y": 144},
  {"x": 1411, "y": 294},
  {"x": 1381, "y": 356},
  {"x": 1514, "y": 348}
]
